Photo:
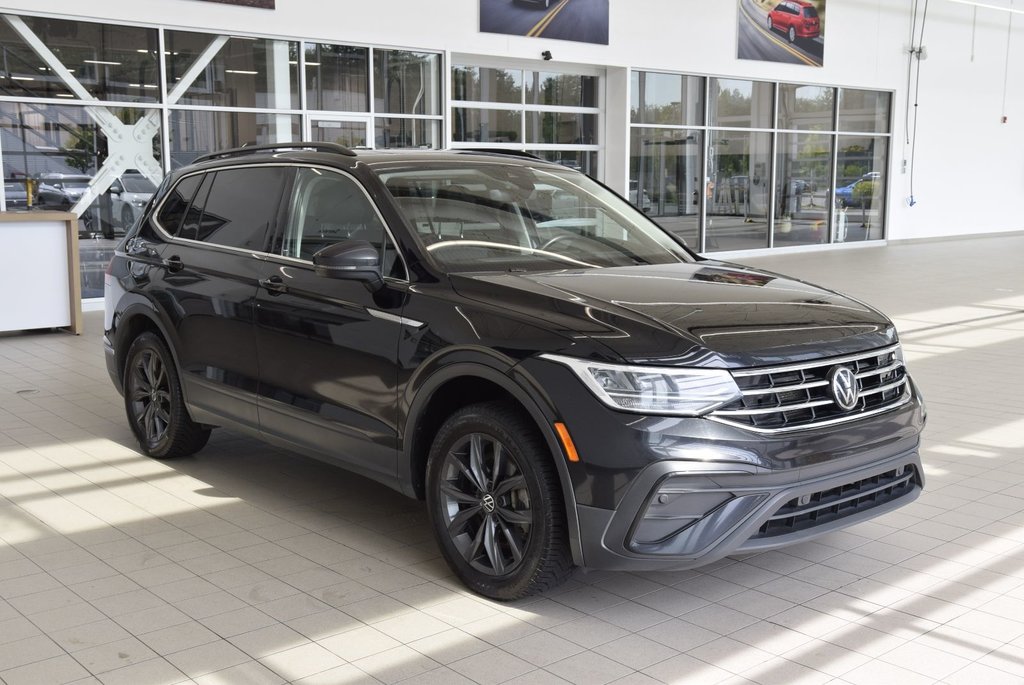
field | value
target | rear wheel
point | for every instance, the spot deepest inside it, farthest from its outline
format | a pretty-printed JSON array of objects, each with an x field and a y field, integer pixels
[
  {"x": 154, "y": 403},
  {"x": 495, "y": 503}
]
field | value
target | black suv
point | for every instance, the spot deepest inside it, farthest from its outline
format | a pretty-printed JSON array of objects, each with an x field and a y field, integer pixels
[{"x": 561, "y": 379}]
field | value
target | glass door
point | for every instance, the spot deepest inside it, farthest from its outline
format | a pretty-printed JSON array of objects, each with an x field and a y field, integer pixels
[{"x": 345, "y": 130}]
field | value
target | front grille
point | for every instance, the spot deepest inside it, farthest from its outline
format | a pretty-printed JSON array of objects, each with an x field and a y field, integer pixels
[
  {"x": 839, "y": 502},
  {"x": 798, "y": 396}
]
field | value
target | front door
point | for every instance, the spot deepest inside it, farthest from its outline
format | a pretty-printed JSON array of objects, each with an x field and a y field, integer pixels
[{"x": 327, "y": 346}]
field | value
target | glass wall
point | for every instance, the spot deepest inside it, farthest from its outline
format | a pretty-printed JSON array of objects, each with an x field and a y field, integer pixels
[
  {"x": 82, "y": 120},
  {"x": 771, "y": 165},
  {"x": 553, "y": 115}
]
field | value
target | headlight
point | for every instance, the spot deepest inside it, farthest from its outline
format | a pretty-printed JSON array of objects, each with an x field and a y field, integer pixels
[{"x": 654, "y": 389}]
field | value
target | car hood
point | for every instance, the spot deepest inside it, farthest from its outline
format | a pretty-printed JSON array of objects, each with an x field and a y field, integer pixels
[{"x": 707, "y": 313}]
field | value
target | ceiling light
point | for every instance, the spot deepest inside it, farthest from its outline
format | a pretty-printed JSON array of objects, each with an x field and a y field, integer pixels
[
  {"x": 100, "y": 61},
  {"x": 22, "y": 78},
  {"x": 240, "y": 71},
  {"x": 65, "y": 95}
]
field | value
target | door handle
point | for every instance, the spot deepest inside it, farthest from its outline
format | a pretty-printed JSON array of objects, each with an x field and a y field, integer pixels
[
  {"x": 174, "y": 264},
  {"x": 274, "y": 285}
]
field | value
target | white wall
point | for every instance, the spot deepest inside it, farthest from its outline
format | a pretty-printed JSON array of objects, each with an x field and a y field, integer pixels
[{"x": 970, "y": 167}]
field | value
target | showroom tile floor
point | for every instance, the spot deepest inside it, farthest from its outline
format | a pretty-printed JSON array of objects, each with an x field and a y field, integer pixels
[{"x": 248, "y": 565}]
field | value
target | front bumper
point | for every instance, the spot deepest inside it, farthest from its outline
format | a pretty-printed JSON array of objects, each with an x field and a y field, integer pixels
[
  {"x": 679, "y": 515},
  {"x": 667, "y": 493}
]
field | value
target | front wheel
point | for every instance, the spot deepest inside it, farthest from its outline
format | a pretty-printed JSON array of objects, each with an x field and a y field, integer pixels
[
  {"x": 495, "y": 503},
  {"x": 154, "y": 403},
  {"x": 792, "y": 34}
]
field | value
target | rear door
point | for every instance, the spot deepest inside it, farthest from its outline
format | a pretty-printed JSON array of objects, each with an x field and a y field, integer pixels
[
  {"x": 327, "y": 347},
  {"x": 209, "y": 283}
]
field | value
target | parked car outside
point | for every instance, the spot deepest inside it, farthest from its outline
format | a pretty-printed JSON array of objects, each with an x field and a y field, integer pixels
[
  {"x": 14, "y": 194},
  {"x": 60, "y": 191},
  {"x": 796, "y": 19},
  {"x": 854, "y": 194},
  {"x": 129, "y": 195},
  {"x": 563, "y": 389}
]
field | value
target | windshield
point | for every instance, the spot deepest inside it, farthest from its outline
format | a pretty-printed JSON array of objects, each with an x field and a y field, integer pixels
[
  {"x": 74, "y": 183},
  {"x": 483, "y": 215},
  {"x": 810, "y": 12},
  {"x": 138, "y": 184}
]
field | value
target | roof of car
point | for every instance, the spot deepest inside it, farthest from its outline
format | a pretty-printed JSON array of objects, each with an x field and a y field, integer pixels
[{"x": 335, "y": 154}]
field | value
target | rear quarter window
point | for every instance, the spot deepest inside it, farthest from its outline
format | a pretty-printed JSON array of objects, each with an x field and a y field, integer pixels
[
  {"x": 241, "y": 207},
  {"x": 176, "y": 204}
]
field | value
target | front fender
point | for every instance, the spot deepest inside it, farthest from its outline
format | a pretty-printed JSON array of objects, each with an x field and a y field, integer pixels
[{"x": 486, "y": 365}]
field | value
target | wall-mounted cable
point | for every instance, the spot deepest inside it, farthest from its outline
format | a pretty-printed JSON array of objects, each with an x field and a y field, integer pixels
[{"x": 917, "y": 55}]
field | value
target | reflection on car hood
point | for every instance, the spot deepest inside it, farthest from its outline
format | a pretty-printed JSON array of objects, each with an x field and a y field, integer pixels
[{"x": 706, "y": 313}]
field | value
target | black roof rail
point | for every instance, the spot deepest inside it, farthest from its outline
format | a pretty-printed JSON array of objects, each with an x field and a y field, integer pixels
[
  {"x": 253, "y": 149},
  {"x": 501, "y": 151}
]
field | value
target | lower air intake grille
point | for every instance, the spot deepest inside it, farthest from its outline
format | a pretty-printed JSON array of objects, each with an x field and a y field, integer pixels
[{"x": 839, "y": 502}]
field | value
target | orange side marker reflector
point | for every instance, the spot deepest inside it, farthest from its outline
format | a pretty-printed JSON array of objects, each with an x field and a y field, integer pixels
[{"x": 570, "y": 448}]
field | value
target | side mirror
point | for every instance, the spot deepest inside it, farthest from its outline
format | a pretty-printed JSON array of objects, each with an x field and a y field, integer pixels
[{"x": 354, "y": 260}]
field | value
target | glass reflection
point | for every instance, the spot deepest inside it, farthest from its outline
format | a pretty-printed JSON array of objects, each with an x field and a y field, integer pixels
[
  {"x": 741, "y": 104},
  {"x": 564, "y": 128},
  {"x": 337, "y": 77},
  {"x": 803, "y": 177},
  {"x": 665, "y": 178},
  {"x": 806, "y": 108},
  {"x": 110, "y": 62},
  {"x": 671, "y": 99},
  {"x": 406, "y": 82},
  {"x": 395, "y": 132},
  {"x": 195, "y": 133},
  {"x": 860, "y": 188},
  {"x": 483, "y": 84},
  {"x": 864, "y": 111},
  {"x": 244, "y": 72},
  {"x": 739, "y": 164},
  {"x": 486, "y": 125},
  {"x": 561, "y": 90}
]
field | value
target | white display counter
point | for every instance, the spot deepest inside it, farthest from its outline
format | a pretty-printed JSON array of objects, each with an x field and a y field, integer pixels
[{"x": 40, "y": 283}]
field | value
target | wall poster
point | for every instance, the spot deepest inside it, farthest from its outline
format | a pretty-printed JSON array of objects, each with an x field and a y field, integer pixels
[
  {"x": 790, "y": 31},
  {"x": 583, "y": 21}
]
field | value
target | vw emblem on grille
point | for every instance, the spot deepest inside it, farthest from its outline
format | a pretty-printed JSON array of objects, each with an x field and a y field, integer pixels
[
  {"x": 488, "y": 503},
  {"x": 843, "y": 386}
]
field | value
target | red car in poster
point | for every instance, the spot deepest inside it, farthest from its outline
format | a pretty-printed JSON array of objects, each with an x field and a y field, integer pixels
[{"x": 795, "y": 18}]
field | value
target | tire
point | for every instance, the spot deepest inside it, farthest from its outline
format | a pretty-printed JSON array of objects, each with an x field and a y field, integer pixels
[
  {"x": 154, "y": 403},
  {"x": 771, "y": 27},
  {"x": 792, "y": 34},
  {"x": 495, "y": 503}
]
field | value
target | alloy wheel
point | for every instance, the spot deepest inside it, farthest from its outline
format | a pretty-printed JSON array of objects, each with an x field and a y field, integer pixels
[
  {"x": 485, "y": 504},
  {"x": 150, "y": 395}
]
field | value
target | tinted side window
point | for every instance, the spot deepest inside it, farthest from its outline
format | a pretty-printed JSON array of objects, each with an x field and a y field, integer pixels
[
  {"x": 190, "y": 225},
  {"x": 176, "y": 204},
  {"x": 241, "y": 206},
  {"x": 328, "y": 208}
]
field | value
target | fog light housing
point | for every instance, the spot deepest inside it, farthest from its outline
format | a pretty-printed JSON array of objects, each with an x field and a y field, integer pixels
[{"x": 685, "y": 515}]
